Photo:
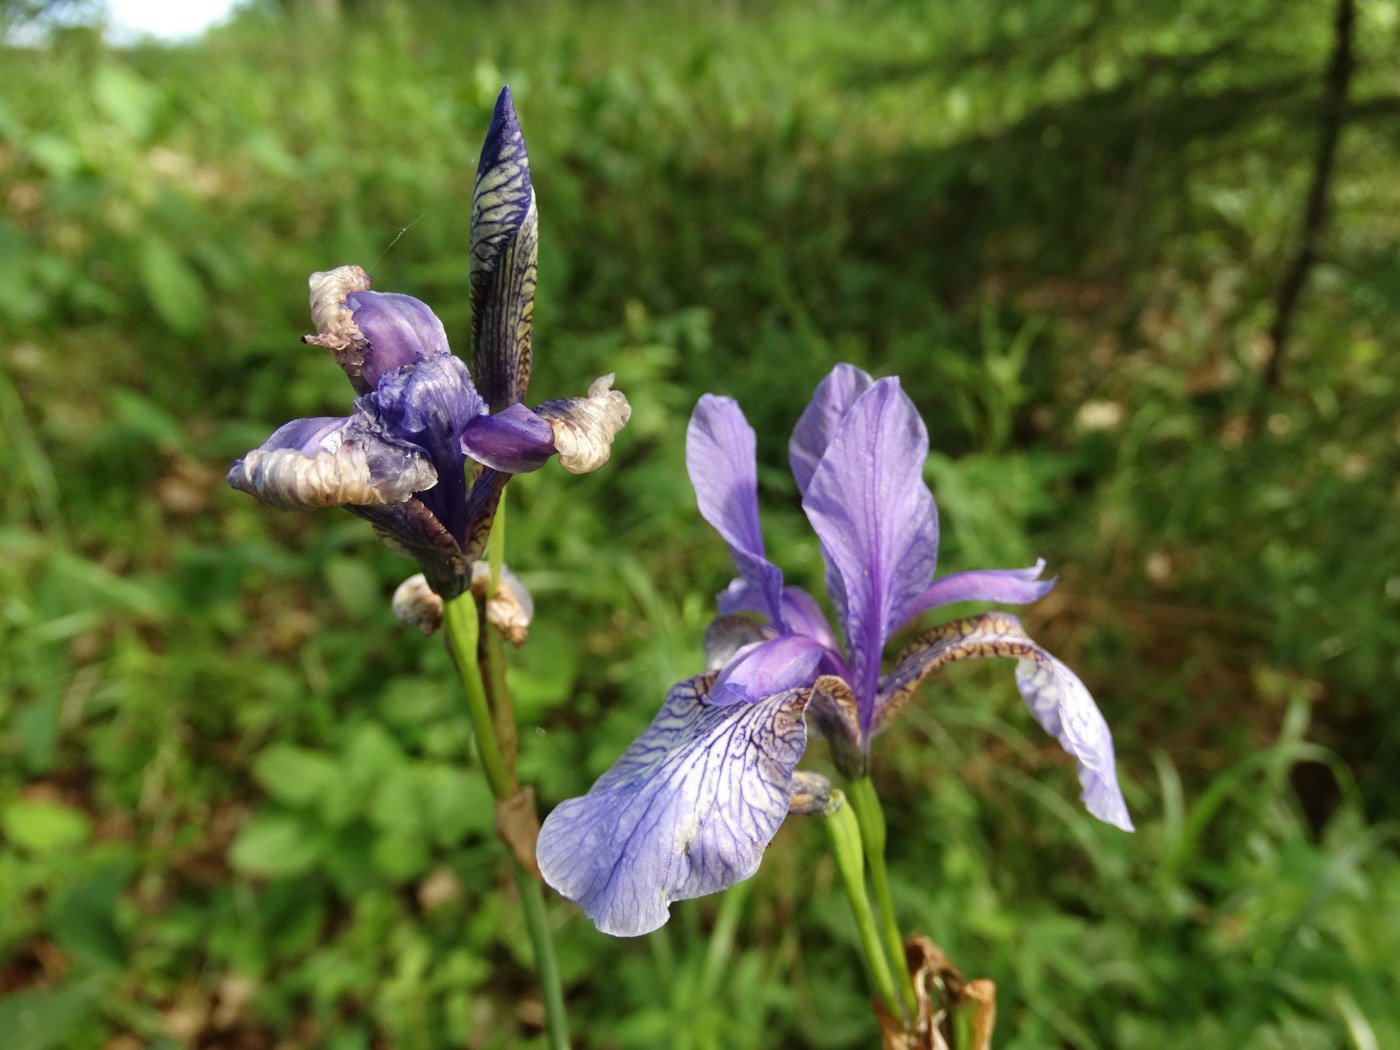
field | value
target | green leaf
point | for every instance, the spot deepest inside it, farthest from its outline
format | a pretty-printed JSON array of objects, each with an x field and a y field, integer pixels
[
  {"x": 42, "y": 1020},
  {"x": 354, "y": 584},
  {"x": 45, "y": 826},
  {"x": 274, "y": 844},
  {"x": 295, "y": 775},
  {"x": 172, "y": 286},
  {"x": 83, "y": 918}
]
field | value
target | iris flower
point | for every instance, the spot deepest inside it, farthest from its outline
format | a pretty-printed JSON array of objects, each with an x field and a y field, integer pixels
[
  {"x": 429, "y": 446},
  {"x": 692, "y": 803}
]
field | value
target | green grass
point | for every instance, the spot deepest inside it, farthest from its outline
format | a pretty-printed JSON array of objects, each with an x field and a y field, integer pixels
[{"x": 233, "y": 811}]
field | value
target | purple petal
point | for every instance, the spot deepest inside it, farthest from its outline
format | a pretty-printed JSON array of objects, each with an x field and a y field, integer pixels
[
  {"x": 875, "y": 517},
  {"x": 1060, "y": 703},
  {"x": 833, "y": 398},
  {"x": 1056, "y": 697},
  {"x": 687, "y": 810},
  {"x": 400, "y": 330},
  {"x": 805, "y": 616},
  {"x": 330, "y": 462},
  {"x": 986, "y": 585},
  {"x": 720, "y": 456},
  {"x": 800, "y": 609},
  {"x": 773, "y": 667},
  {"x": 431, "y": 404},
  {"x": 411, "y": 529},
  {"x": 514, "y": 440},
  {"x": 504, "y": 247},
  {"x": 728, "y": 636}
]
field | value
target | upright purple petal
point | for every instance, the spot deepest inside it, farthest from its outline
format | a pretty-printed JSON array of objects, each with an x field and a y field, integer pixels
[
  {"x": 1056, "y": 697},
  {"x": 876, "y": 520},
  {"x": 504, "y": 248},
  {"x": 400, "y": 330},
  {"x": 720, "y": 456},
  {"x": 833, "y": 398},
  {"x": 687, "y": 810},
  {"x": 784, "y": 663},
  {"x": 1018, "y": 586}
]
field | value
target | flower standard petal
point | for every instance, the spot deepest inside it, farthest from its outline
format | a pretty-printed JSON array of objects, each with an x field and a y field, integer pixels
[
  {"x": 772, "y": 667},
  {"x": 687, "y": 810},
  {"x": 1054, "y": 694},
  {"x": 720, "y": 457},
  {"x": 504, "y": 248},
  {"x": 878, "y": 527},
  {"x": 833, "y": 398}
]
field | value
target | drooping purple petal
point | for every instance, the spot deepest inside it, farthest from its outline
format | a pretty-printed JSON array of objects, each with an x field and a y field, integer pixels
[
  {"x": 876, "y": 520},
  {"x": 1056, "y": 697},
  {"x": 399, "y": 329},
  {"x": 687, "y": 810},
  {"x": 1018, "y": 586},
  {"x": 514, "y": 440},
  {"x": 332, "y": 462},
  {"x": 411, "y": 529},
  {"x": 504, "y": 247},
  {"x": 1060, "y": 703},
  {"x": 833, "y": 398},
  {"x": 584, "y": 427},
  {"x": 784, "y": 663},
  {"x": 720, "y": 456}
]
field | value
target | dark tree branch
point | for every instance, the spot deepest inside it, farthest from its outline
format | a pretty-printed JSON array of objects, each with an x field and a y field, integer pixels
[{"x": 1333, "y": 116}]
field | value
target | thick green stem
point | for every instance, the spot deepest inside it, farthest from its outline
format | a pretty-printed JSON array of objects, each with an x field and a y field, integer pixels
[
  {"x": 871, "y": 816},
  {"x": 462, "y": 620},
  {"x": 842, "y": 826}
]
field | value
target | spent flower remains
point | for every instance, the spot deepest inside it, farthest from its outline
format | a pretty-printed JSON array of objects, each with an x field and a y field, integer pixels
[
  {"x": 428, "y": 447},
  {"x": 690, "y": 806}
]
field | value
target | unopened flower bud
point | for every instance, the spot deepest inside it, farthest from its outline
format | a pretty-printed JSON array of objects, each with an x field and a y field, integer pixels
[
  {"x": 416, "y": 604},
  {"x": 511, "y": 609},
  {"x": 811, "y": 792}
]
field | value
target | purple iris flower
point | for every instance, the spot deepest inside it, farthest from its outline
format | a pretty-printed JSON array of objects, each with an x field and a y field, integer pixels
[
  {"x": 428, "y": 447},
  {"x": 691, "y": 805}
]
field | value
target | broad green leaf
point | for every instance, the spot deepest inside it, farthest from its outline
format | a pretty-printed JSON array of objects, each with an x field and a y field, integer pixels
[
  {"x": 45, "y": 826},
  {"x": 173, "y": 287},
  {"x": 296, "y": 775},
  {"x": 274, "y": 844}
]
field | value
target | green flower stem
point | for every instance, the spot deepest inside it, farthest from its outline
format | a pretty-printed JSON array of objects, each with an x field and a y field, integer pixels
[
  {"x": 461, "y": 618},
  {"x": 871, "y": 816},
  {"x": 556, "y": 1021},
  {"x": 844, "y": 829},
  {"x": 496, "y": 546}
]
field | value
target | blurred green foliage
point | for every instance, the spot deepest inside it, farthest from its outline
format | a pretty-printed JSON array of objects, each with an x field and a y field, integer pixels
[{"x": 233, "y": 811}]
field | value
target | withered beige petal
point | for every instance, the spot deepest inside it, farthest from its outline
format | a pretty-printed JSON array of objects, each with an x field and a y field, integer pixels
[
  {"x": 511, "y": 609},
  {"x": 584, "y": 427},
  {"x": 289, "y": 479},
  {"x": 335, "y": 325},
  {"x": 416, "y": 604}
]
